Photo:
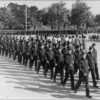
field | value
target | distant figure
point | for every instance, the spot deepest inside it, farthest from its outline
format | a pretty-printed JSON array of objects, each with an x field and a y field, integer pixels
[
  {"x": 77, "y": 40},
  {"x": 83, "y": 41},
  {"x": 95, "y": 60}
]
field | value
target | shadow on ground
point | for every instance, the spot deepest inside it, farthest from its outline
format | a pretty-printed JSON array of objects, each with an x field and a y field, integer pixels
[{"x": 29, "y": 80}]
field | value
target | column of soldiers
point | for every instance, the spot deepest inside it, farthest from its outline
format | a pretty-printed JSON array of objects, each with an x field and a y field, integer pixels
[{"x": 64, "y": 57}]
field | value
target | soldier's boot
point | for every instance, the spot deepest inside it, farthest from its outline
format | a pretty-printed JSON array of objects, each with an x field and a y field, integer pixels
[
  {"x": 46, "y": 70},
  {"x": 61, "y": 75},
  {"x": 0, "y": 51},
  {"x": 76, "y": 87},
  {"x": 55, "y": 75},
  {"x": 51, "y": 77},
  {"x": 35, "y": 65},
  {"x": 30, "y": 65},
  {"x": 64, "y": 82},
  {"x": 88, "y": 93},
  {"x": 10, "y": 55},
  {"x": 7, "y": 54},
  {"x": 25, "y": 63},
  {"x": 24, "y": 60},
  {"x": 14, "y": 56},
  {"x": 95, "y": 84},
  {"x": 38, "y": 67},
  {"x": 20, "y": 59}
]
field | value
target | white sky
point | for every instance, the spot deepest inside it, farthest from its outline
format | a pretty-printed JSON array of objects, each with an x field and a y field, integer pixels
[{"x": 94, "y": 4}]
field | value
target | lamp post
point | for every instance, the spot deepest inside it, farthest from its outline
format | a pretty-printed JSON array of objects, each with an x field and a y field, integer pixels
[{"x": 25, "y": 18}]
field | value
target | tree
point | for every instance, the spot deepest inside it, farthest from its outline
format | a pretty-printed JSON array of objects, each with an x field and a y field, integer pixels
[
  {"x": 80, "y": 15},
  {"x": 18, "y": 11},
  {"x": 97, "y": 19},
  {"x": 58, "y": 15},
  {"x": 33, "y": 16},
  {"x": 6, "y": 18}
]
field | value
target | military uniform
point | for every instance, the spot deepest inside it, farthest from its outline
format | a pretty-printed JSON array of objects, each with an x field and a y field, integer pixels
[
  {"x": 83, "y": 75},
  {"x": 26, "y": 54},
  {"x": 69, "y": 67},
  {"x": 59, "y": 65},
  {"x": 50, "y": 61},
  {"x": 77, "y": 56},
  {"x": 42, "y": 59},
  {"x": 90, "y": 58},
  {"x": 33, "y": 55},
  {"x": 20, "y": 51}
]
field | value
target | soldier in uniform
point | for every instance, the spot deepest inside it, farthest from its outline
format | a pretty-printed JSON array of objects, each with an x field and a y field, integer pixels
[
  {"x": 6, "y": 46},
  {"x": 64, "y": 49},
  {"x": 20, "y": 51},
  {"x": 90, "y": 58},
  {"x": 59, "y": 65},
  {"x": 3, "y": 46},
  {"x": 33, "y": 54},
  {"x": 83, "y": 73},
  {"x": 95, "y": 60},
  {"x": 42, "y": 58},
  {"x": 10, "y": 47},
  {"x": 69, "y": 67},
  {"x": 50, "y": 63},
  {"x": 26, "y": 54},
  {"x": 15, "y": 48},
  {"x": 0, "y": 44},
  {"x": 77, "y": 56}
]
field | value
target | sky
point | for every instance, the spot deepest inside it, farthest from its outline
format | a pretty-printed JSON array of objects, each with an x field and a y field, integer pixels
[{"x": 94, "y": 4}]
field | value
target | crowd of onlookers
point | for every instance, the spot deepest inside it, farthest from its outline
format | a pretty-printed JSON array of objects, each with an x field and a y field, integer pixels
[{"x": 94, "y": 37}]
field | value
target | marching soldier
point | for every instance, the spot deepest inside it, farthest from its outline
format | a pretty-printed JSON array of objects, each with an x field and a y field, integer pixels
[
  {"x": 77, "y": 56},
  {"x": 59, "y": 65},
  {"x": 83, "y": 73},
  {"x": 33, "y": 54},
  {"x": 26, "y": 54},
  {"x": 15, "y": 48},
  {"x": 42, "y": 59},
  {"x": 90, "y": 58},
  {"x": 50, "y": 63},
  {"x": 20, "y": 51},
  {"x": 69, "y": 67},
  {"x": 31, "y": 57}
]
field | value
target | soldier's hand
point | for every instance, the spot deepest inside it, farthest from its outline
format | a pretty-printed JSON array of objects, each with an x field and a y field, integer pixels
[
  {"x": 47, "y": 61},
  {"x": 55, "y": 64},
  {"x": 85, "y": 74}
]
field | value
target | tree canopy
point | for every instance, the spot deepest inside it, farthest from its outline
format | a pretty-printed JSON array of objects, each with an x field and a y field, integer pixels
[{"x": 57, "y": 16}]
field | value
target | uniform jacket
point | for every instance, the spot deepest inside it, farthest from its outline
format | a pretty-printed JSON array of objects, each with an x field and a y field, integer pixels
[
  {"x": 90, "y": 58},
  {"x": 69, "y": 60},
  {"x": 84, "y": 68},
  {"x": 95, "y": 55}
]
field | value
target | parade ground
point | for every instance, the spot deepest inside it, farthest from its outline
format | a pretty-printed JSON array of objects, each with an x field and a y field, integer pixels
[{"x": 18, "y": 82}]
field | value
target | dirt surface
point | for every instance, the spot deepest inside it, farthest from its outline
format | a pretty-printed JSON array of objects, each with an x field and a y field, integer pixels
[{"x": 18, "y": 82}]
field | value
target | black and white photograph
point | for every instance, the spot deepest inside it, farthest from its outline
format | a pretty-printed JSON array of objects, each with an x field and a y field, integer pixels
[{"x": 49, "y": 49}]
